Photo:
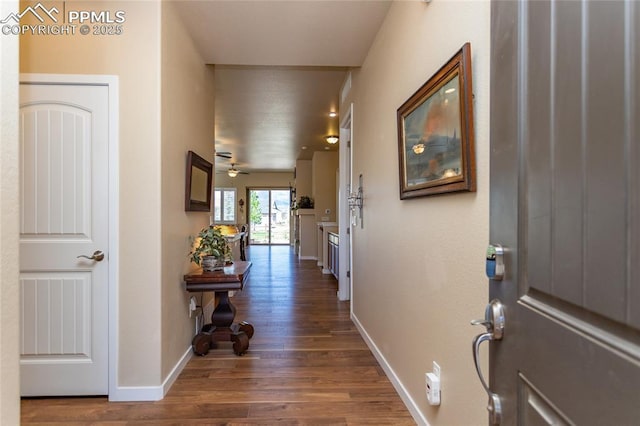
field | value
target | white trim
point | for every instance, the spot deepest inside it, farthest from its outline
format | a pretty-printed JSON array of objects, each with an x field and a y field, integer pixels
[
  {"x": 395, "y": 381},
  {"x": 136, "y": 393},
  {"x": 346, "y": 88},
  {"x": 222, "y": 190},
  {"x": 152, "y": 393},
  {"x": 112, "y": 82},
  {"x": 308, "y": 257},
  {"x": 326, "y": 271},
  {"x": 177, "y": 369},
  {"x": 345, "y": 257}
]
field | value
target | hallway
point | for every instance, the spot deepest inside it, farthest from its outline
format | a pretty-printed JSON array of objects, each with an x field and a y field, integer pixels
[{"x": 306, "y": 364}]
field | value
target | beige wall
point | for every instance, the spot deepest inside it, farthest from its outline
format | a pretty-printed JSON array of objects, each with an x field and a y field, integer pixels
[
  {"x": 134, "y": 57},
  {"x": 9, "y": 225},
  {"x": 418, "y": 272},
  {"x": 323, "y": 184},
  {"x": 187, "y": 124},
  {"x": 303, "y": 178}
]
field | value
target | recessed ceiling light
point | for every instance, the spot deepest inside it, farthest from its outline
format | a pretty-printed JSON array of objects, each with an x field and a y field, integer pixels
[
  {"x": 333, "y": 114},
  {"x": 326, "y": 148},
  {"x": 304, "y": 147},
  {"x": 450, "y": 90}
]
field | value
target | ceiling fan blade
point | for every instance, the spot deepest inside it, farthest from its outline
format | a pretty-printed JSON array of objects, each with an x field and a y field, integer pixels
[{"x": 223, "y": 154}]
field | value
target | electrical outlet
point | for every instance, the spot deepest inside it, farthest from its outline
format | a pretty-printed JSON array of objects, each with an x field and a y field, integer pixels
[
  {"x": 432, "y": 383},
  {"x": 192, "y": 305},
  {"x": 432, "y": 388}
]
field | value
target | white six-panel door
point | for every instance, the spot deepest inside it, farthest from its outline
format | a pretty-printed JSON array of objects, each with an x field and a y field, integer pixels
[{"x": 64, "y": 204}]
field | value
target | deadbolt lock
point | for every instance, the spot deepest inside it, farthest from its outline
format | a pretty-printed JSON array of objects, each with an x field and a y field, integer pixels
[{"x": 495, "y": 262}]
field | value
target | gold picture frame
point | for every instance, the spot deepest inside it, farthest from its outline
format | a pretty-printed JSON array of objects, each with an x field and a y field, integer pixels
[{"x": 435, "y": 133}]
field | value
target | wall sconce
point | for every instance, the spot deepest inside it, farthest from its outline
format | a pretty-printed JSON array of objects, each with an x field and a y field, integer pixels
[
  {"x": 241, "y": 203},
  {"x": 356, "y": 200},
  {"x": 332, "y": 139}
]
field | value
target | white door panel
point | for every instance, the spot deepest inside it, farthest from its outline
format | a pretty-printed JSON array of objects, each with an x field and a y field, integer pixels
[{"x": 64, "y": 204}]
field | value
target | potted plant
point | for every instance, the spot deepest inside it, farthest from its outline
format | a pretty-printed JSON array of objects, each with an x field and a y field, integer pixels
[
  {"x": 306, "y": 202},
  {"x": 211, "y": 249}
]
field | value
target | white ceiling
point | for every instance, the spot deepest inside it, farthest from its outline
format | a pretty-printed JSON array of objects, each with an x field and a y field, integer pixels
[{"x": 279, "y": 69}]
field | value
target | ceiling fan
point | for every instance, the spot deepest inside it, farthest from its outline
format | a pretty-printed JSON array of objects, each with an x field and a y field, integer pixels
[
  {"x": 223, "y": 154},
  {"x": 233, "y": 172}
]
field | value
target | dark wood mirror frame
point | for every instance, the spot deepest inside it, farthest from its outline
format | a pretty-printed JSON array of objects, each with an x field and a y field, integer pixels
[{"x": 198, "y": 184}]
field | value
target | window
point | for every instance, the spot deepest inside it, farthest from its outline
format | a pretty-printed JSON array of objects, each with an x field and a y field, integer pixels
[{"x": 224, "y": 205}]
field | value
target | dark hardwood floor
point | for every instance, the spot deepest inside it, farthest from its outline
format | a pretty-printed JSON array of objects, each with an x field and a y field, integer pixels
[{"x": 306, "y": 364}]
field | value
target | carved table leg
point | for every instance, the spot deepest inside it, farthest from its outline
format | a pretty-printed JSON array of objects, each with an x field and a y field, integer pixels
[
  {"x": 201, "y": 343},
  {"x": 225, "y": 312},
  {"x": 240, "y": 343},
  {"x": 246, "y": 328},
  {"x": 223, "y": 327}
]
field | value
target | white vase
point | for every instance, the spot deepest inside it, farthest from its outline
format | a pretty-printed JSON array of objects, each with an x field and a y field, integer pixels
[{"x": 212, "y": 263}]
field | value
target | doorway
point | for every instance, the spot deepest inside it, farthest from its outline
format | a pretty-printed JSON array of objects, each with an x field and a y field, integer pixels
[
  {"x": 346, "y": 214},
  {"x": 269, "y": 216},
  {"x": 67, "y": 256},
  {"x": 564, "y": 210}
]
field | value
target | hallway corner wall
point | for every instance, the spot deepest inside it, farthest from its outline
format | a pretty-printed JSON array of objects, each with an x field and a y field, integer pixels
[
  {"x": 188, "y": 101},
  {"x": 9, "y": 226},
  {"x": 323, "y": 184},
  {"x": 133, "y": 56},
  {"x": 418, "y": 267}
]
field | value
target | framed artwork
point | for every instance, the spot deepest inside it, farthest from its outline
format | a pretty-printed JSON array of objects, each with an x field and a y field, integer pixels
[
  {"x": 435, "y": 133},
  {"x": 198, "y": 184}
]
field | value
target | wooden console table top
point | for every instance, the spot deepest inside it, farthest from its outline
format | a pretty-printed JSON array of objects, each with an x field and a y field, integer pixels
[{"x": 232, "y": 277}]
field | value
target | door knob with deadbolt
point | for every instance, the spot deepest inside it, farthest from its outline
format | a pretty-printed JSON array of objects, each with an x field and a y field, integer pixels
[{"x": 494, "y": 323}]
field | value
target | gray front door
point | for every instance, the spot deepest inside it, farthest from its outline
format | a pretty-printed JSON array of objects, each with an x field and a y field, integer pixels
[{"x": 565, "y": 204}]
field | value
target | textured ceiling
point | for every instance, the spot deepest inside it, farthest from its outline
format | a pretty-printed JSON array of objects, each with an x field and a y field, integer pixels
[
  {"x": 279, "y": 69},
  {"x": 265, "y": 116}
]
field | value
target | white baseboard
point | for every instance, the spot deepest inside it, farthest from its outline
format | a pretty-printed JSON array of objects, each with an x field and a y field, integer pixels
[
  {"x": 395, "y": 381},
  {"x": 319, "y": 262},
  {"x": 308, "y": 257},
  {"x": 151, "y": 393},
  {"x": 136, "y": 393},
  {"x": 326, "y": 271},
  {"x": 177, "y": 369}
]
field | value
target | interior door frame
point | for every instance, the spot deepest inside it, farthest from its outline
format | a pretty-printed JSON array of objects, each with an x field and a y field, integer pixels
[
  {"x": 112, "y": 84},
  {"x": 345, "y": 253}
]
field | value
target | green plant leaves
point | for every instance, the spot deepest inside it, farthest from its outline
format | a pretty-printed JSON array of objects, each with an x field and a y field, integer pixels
[{"x": 210, "y": 242}]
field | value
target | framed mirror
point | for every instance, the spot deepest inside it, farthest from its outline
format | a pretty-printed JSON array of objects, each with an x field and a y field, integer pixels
[{"x": 198, "y": 185}]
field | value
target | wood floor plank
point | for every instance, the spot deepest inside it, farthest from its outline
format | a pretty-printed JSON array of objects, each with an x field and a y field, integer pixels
[{"x": 306, "y": 365}]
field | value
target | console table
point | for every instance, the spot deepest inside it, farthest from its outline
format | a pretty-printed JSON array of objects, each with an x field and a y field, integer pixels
[{"x": 222, "y": 327}]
